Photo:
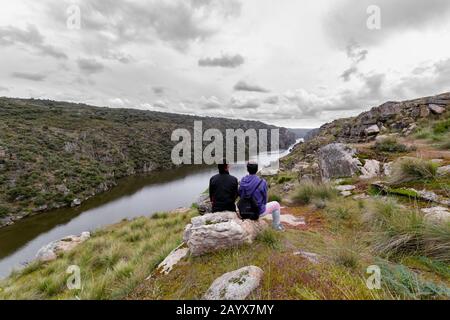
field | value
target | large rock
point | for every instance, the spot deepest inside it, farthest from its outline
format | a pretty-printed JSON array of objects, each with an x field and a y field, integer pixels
[
  {"x": 337, "y": 160},
  {"x": 444, "y": 171},
  {"x": 204, "y": 204},
  {"x": 216, "y": 231},
  {"x": 235, "y": 285},
  {"x": 437, "y": 214},
  {"x": 50, "y": 252},
  {"x": 371, "y": 169},
  {"x": 436, "y": 109},
  {"x": 372, "y": 130}
]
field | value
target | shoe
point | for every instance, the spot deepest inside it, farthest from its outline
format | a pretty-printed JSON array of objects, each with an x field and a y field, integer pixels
[{"x": 279, "y": 228}]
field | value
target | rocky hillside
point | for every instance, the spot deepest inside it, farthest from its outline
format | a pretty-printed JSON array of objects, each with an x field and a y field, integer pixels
[
  {"x": 402, "y": 118},
  {"x": 55, "y": 154}
]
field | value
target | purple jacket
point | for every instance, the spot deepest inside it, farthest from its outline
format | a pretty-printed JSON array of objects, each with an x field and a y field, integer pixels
[{"x": 248, "y": 184}]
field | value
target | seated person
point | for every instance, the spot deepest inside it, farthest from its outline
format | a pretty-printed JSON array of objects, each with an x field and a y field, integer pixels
[
  {"x": 223, "y": 190},
  {"x": 252, "y": 183}
]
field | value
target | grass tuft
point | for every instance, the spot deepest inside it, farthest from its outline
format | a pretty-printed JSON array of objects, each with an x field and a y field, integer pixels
[
  {"x": 412, "y": 170},
  {"x": 308, "y": 191}
]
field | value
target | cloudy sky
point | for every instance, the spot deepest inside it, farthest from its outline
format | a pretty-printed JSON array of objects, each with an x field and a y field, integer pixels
[{"x": 287, "y": 62}]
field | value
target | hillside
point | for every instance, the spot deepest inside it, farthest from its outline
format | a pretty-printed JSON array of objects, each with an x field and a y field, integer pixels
[
  {"x": 56, "y": 154},
  {"x": 377, "y": 200}
]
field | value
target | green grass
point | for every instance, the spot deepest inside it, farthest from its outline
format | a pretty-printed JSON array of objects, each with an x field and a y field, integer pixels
[
  {"x": 398, "y": 232},
  {"x": 274, "y": 197},
  {"x": 391, "y": 145},
  {"x": 112, "y": 263},
  {"x": 309, "y": 191},
  {"x": 407, "y": 284},
  {"x": 410, "y": 169}
]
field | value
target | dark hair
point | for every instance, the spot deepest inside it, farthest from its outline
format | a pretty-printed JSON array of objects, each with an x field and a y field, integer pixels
[
  {"x": 252, "y": 168},
  {"x": 223, "y": 167}
]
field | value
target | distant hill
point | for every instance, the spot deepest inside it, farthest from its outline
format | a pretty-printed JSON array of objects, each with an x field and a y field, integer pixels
[
  {"x": 300, "y": 133},
  {"x": 54, "y": 154}
]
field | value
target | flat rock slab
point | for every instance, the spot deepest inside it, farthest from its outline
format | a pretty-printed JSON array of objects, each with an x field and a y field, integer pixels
[
  {"x": 288, "y": 219},
  {"x": 311, "y": 257},
  {"x": 235, "y": 285},
  {"x": 172, "y": 259}
]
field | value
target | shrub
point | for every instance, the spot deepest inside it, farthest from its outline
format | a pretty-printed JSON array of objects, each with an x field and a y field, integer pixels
[
  {"x": 398, "y": 231},
  {"x": 274, "y": 197},
  {"x": 284, "y": 179},
  {"x": 3, "y": 211},
  {"x": 390, "y": 144},
  {"x": 411, "y": 170},
  {"x": 407, "y": 284},
  {"x": 441, "y": 127},
  {"x": 308, "y": 191},
  {"x": 270, "y": 238}
]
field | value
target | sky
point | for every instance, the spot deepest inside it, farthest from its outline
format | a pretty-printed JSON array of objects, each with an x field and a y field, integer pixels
[{"x": 291, "y": 63}]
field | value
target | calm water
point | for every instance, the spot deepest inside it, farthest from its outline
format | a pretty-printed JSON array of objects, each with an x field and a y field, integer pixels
[{"x": 133, "y": 197}]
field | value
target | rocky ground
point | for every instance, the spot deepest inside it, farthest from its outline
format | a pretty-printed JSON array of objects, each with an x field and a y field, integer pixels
[{"x": 368, "y": 193}]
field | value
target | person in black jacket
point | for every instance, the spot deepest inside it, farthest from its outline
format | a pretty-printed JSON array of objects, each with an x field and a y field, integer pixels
[{"x": 223, "y": 190}]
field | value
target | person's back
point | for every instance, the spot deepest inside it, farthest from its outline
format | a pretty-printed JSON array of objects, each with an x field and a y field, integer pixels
[
  {"x": 255, "y": 187},
  {"x": 223, "y": 190}
]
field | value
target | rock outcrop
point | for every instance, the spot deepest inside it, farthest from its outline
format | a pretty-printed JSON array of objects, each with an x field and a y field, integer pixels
[
  {"x": 437, "y": 214},
  {"x": 216, "y": 231},
  {"x": 371, "y": 169},
  {"x": 172, "y": 259},
  {"x": 337, "y": 160},
  {"x": 50, "y": 252},
  {"x": 235, "y": 285}
]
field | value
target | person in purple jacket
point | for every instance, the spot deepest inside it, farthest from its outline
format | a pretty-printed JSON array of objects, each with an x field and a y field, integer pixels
[{"x": 249, "y": 183}]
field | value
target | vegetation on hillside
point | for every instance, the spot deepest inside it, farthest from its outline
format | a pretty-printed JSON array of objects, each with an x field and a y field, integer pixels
[{"x": 52, "y": 153}]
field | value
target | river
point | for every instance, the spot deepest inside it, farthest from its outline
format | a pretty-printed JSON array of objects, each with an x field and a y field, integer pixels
[{"x": 133, "y": 197}]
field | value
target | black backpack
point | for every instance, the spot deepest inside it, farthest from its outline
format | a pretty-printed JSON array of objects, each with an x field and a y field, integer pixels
[{"x": 248, "y": 207}]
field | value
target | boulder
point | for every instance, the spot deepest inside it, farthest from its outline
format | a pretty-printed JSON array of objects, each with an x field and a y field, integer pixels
[
  {"x": 370, "y": 170},
  {"x": 437, "y": 214},
  {"x": 217, "y": 231},
  {"x": 443, "y": 171},
  {"x": 235, "y": 285},
  {"x": 76, "y": 203},
  {"x": 434, "y": 108},
  {"x": 372, "y": 130},
  {"x": 337, "y": 160},
  {"x": 50, "y": 252},
  {"x": 204, "y": 204}
]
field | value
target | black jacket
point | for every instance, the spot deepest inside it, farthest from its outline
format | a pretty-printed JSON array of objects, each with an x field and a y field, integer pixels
[{"x": 223, "y": 192}]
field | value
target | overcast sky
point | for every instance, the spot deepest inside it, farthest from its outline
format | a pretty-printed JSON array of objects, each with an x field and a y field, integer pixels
[{"x": 287, "y": 62}]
